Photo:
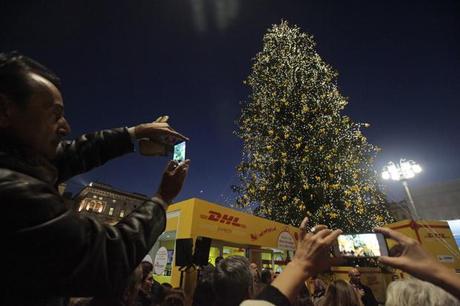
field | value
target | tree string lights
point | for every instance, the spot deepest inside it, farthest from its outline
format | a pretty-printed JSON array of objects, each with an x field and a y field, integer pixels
[{"x": 301, "y": 156}]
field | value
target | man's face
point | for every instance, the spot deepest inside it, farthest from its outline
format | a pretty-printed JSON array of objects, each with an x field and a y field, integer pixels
[
  {"x": 355, "y": 277},
  {"x": 147, "y": 285},
  {"x": 40, "y": 124}
]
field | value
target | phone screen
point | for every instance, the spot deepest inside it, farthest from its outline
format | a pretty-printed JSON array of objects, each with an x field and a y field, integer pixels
[
  {"x": 362, "y": 245},
  {"x": 179, "y": 152}
]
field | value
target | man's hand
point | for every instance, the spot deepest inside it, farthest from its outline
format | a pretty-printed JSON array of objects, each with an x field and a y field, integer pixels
[
  {"x": 311, "y": 257},
  {"x": 158, "y": 131},
  {"x": 173, "y": 179},
  {"x": 408, "y": 255},
  {"x": 413, "y": 259},
  {"x": 313, "y": 250}
]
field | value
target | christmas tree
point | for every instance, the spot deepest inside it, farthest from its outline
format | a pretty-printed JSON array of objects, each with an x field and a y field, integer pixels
[{"x": 301, "y": 155}]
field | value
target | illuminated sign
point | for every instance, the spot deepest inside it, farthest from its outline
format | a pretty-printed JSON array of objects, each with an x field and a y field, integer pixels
[
  {"x": 286, "y": 241},
  {"x": 161, "y": 259}
]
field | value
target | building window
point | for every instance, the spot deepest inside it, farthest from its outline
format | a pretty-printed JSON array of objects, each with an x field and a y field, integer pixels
[
  {"x": 111, "y": 211},
  {"x": 82, "y": 205}
]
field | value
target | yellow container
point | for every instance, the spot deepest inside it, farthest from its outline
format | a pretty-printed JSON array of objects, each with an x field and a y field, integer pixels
[
  {"x": 434, "y": 236},
  {"x": 267, "y": 243}
]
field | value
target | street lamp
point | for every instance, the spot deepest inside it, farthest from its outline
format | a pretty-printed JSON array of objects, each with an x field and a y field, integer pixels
[{"x": 406, "y": 169}]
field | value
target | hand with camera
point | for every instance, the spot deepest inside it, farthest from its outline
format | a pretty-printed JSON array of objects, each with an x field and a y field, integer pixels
[
  {"x": 157, "y": 138},
  {"x": 158, "y": 131},
  {"x": 312, "y": 256},
  {"x": 409, "y": 256},
  {"x": 172, "y": 180}
]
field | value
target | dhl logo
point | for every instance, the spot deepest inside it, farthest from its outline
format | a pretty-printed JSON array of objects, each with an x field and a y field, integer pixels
[{"x": 223, "y": 218}]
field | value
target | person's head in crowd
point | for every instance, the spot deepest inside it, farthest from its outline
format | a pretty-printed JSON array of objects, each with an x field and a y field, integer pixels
[
  {"x": 174, "y": 297},
  {"x": 414, "y": 292},
  {"x": 318, "y": 285},
  {"x": 218, "y": 258},
  {"x": 147, "y": 266},
  {"x": 157, "y": 293},
  {"x": 303, "y": 301},
  {"x": 133, "y": 287},
  {"x": 204, "y": 292},
  {"x": 147, "y": 283},
  {"x": 232, "y": 281},
  {"x": 340, "y": 293},
  {"x": 266, "y": 276},
  {"x": 31, "y": 106},
  {"x": 355, "y": 276},
  {"x": 254, "y": 271},
  {"x": 205, "y": 272},
  {"x": 303, "y": 298}
]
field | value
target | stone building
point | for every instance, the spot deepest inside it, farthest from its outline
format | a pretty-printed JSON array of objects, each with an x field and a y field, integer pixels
[
  {"x": 439, "y": 201},
  {"x": 399, "y": 210},
  {"x": 106, "y": 203}
]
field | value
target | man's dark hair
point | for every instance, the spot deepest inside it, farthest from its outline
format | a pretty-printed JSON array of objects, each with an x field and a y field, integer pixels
[
  {"x": 232, "y": 281},
  {"x": 204, "y": 292},
  {"x": 266, "y": 276},
  {"x": 14, "y": 82},
  {"x": 218, "y": 258}
]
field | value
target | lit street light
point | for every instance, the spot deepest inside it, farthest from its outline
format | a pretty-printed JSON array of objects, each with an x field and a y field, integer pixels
[{"x": 406, "y": 169}]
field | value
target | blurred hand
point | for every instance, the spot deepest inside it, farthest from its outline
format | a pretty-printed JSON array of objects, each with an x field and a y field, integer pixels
[
  {"x": 173, "y": 179},
  {"x": 313, "y": 249},
  {"x": 159, "y": 131},
  {"x": 409, "y": 256},
  {"x": 413, "y": 259}
]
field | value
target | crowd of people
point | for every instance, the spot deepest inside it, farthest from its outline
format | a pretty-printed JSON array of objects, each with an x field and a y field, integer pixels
[{"x": 77, "y": 256}]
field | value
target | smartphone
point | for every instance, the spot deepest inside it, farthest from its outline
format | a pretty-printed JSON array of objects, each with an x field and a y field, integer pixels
[
  {"x": 179, "y": 152},
  {"x": 361, "y": 245}
]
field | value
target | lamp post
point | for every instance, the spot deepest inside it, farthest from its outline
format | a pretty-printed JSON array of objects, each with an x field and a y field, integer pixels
[{"x": 405, "y": 170}]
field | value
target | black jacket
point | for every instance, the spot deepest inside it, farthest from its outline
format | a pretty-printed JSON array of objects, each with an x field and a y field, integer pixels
[{"x": 48, "y": 251}]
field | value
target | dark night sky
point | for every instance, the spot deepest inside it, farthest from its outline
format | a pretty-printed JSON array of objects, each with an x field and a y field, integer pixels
[{"x": 126, "y": 62}]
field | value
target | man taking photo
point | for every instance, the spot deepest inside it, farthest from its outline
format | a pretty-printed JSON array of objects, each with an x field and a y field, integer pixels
[{"x": 50, "y": 252}]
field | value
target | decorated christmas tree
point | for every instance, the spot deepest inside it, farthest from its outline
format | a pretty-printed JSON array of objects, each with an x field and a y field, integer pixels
[{"x": 301, "y": 155}]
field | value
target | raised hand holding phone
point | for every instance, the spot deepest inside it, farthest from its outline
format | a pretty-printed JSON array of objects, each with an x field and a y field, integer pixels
[
  {"x": 409, "y": 256},
  {"x": 157, "y": 138}
]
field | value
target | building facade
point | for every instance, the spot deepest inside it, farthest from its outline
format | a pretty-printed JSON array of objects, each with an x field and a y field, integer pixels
[
  {"x": 106, "y": 203},
  {"x": 438, "y": 202},
  {"x": 399, "y": 210}
]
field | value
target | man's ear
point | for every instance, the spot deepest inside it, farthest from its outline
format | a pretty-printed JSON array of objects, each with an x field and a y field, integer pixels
[{"x": 6, "y": 107}]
